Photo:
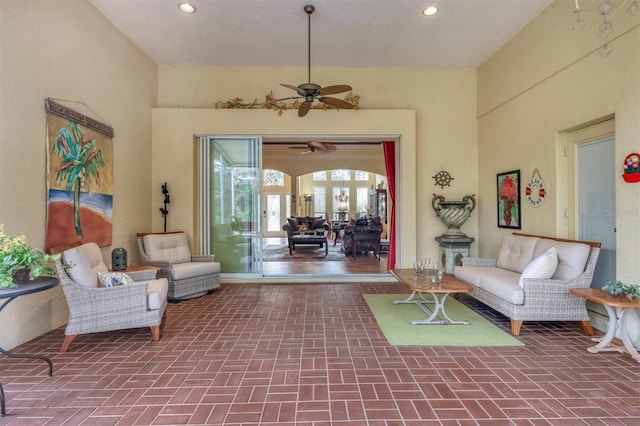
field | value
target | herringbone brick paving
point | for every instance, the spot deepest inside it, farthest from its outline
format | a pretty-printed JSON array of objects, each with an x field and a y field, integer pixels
[{"x": 312, "y": 354}]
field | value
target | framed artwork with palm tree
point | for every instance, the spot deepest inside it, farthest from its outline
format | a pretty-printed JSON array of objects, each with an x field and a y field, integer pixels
[{"x": 80, "y": 178}]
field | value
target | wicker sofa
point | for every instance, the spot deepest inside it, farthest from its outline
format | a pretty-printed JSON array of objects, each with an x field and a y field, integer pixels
[
  {"x": 525, "y": 283},
  {"x": 189, "y": 275}
]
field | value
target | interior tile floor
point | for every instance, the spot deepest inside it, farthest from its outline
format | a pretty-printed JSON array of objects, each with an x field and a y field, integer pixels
[{"x": 312, "y": 354}]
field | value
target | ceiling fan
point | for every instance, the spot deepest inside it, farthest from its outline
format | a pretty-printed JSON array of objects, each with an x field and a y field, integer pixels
[
  {"x": 310, "y": 91},
  {"x": 315, "y": 146}
]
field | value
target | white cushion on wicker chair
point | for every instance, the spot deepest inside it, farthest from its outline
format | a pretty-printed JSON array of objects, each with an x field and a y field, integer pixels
[
  {"x": 86, "y": 262},
  {"x": 168, "y": 247},
  {"x": 182, "y": 271}
]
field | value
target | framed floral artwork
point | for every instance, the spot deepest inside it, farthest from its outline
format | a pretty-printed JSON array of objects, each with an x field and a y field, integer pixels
[{"x": 508, "y": 184}]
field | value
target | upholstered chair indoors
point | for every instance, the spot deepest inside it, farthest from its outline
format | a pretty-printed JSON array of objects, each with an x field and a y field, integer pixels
[
  {"x": 189, "y": 275},
  {"x": 95, "y": 308}
]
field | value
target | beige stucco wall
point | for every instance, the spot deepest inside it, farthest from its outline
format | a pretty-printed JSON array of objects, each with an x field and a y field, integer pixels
[
  {"x": 444, "y": 102},
  {"x": 548, "y": 79},
  {"x": 65, "y": 49}
]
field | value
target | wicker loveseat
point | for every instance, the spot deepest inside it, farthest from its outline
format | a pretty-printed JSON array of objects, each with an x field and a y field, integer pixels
[
  {"x": 188, "y": 275},
  {"x": 531, "y": 278},
  {"x": 362, "y": 235}
]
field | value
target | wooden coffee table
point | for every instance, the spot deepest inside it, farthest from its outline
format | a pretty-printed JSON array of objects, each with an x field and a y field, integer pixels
[
  {"x": 321, "y": 240},
  {"x": 421, "y": 285}
]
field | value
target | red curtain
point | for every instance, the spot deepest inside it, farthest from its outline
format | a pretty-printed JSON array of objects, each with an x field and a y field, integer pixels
[{"x": 389, "y": 149}]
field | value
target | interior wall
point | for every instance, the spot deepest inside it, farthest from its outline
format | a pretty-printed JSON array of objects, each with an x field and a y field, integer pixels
[
  {"x": 65, "y": 49},
  {"x": 547, "y": 80},
  {"x": 444, "y": 101},
  {"x": 174, "y": 154}
]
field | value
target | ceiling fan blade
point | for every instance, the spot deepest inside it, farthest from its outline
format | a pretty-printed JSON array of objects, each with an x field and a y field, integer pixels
[
  {"x": 289, "y": 86},
  {"x": 328, "y": 148},
  {"x": 304, "y": 109},
  {"x": 332, "y": 90},
  {"x": 336, "y": 103}
]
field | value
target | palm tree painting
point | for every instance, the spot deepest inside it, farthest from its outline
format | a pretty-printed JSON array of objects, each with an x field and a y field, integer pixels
[
  {"x": 81, "y": 160},
  {"x": 80, "y": 204}
]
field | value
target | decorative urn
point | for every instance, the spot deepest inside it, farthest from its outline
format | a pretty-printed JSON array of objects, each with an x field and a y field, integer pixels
[{"x": 453, "y": 213}]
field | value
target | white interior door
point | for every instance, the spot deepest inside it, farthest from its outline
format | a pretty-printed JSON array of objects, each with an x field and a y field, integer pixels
[
  {"x": 274, "y": 213},
  {"x": 596, "y": 203}
]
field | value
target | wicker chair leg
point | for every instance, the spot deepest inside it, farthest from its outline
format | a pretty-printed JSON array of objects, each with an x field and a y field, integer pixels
[
  {"x": 67, "y": 342},
  {"x": 155, "y": 332},
  {"x": 516, "y": 325},
  {"x": 586, "y": 326}
]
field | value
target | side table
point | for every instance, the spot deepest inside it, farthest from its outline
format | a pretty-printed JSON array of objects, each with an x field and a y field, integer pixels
[
  {"x": 610, "y": 303},
  {"x": 39, "y": 284},
  {"x": 135, "y": 268}
]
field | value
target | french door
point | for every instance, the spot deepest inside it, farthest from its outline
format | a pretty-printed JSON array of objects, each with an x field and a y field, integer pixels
[{"x": 230, "y": 190}]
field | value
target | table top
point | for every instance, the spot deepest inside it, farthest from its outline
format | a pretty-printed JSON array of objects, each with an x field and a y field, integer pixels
[
  {"x": 409, "y": 279},
  {"x": 600, "y": 296},
  {"x": 39, "y": 284},
  {"x": 309, "y": 237}
]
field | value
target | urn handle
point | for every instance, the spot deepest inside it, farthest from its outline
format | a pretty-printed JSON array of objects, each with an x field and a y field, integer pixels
[
  {"x": 436, "y": 206},
  {"x": 471, "y": 198}
]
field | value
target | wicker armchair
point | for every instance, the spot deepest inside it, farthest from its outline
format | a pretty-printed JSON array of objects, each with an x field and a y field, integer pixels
[
  {"x": 189, "y": 275},
  {"x": 94, "y": 309}
]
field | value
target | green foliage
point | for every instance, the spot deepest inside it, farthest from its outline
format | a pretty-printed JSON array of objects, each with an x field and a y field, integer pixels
[
  {"x": 15, "y": 254},
  {"x": 618, "y": 288}
]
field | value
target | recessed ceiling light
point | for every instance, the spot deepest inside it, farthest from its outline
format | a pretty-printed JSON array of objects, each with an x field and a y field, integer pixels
[
  {"x": 186, "y": 8},
  {"x": 430, "y": 11}
]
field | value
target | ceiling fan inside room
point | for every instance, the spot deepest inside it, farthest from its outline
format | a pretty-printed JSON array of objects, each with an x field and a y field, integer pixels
[
  {"x": 316, "y": 146},
  {"x": 310, "y": 91}
]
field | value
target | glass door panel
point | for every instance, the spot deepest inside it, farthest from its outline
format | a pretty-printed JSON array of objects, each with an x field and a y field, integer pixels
[{"x": 230, "y": 200}]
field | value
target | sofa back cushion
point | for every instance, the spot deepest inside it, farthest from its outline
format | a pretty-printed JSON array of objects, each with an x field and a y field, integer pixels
[
  {"x": 87, "y": 263},
  {"x": 516, "y": 252},
  {"x": 572, "y": 257},
  {"x": 167, "y": 247}
]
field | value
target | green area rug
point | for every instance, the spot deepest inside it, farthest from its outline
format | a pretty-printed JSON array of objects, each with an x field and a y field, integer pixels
[{"x": 395, "y": 322}]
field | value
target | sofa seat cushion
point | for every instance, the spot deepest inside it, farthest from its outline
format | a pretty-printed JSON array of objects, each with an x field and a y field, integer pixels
[
  {"x": 469, "y": 274},
  {"x": 504, "y": 285},
  {"x": 167, "y": 247},
  {"x": 516, "y": 252},
  {"x": 499, "y": 282},
  {"x": 157, "y": 293},
  {"x": 181, "y": 271},
  {"x": 572, "y": 257}
]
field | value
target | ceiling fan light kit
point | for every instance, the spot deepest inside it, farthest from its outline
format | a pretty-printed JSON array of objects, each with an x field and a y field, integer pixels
[{"x": 307, "y": 92}]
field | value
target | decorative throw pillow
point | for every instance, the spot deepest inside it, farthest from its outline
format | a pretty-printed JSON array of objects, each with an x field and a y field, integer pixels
[
  {"x": 113, "y": 279},
  {"x": 317, "y": 223},
  {"x": 541, "y": 267},
  {"x": 303, "y": 227},
  {"x": 293, "y": 223}
]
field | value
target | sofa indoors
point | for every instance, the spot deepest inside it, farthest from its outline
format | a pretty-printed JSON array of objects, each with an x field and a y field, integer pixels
[
  {"x": 305, "y": 225},
  {"x": 531, "y": 277},
  {"x": 361, "y": 235}
]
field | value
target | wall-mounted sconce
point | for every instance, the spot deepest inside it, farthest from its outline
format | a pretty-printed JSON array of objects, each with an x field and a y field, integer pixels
[{"x": 164, "y": 209}]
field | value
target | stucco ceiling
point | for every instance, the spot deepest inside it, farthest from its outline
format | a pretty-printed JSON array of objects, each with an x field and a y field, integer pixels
[{"x": 344, "y": 33}]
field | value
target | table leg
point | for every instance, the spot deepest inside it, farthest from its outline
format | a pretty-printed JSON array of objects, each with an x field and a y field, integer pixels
[
  {"x": 436, "y": 316},
  {"x": 3, "y": 409},
  {"x": 624, "y": 334},
  {"x": 604, "y": 344},
  {"x": 42, "y": 357}
]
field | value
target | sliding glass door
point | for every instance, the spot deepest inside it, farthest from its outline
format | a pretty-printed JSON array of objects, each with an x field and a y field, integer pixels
[{"x": 230, "y": 174}]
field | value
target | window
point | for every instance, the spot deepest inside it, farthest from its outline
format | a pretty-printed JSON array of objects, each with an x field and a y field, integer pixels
[
  {"x": 362, "y": 200},
  {"x": 340, "y": 174},
  {"x": 273, "y": 178},
  {"x": 320, "y": 175},
  {"x": 362, "y": 175},
  {"x": 320, "y": 201}
]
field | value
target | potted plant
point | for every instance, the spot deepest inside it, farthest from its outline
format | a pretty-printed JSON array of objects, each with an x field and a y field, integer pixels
[
  {"x": 618, "y": 288},
  {"x": 21, "y": 262}
]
